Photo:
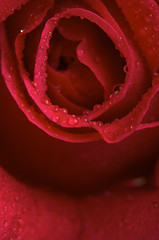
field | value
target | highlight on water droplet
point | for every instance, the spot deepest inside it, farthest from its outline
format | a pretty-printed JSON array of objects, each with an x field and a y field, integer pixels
[{"x": 22, "y": 30}]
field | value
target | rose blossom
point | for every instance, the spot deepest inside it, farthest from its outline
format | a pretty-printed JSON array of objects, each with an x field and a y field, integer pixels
[{"x": 85, "y": 74}]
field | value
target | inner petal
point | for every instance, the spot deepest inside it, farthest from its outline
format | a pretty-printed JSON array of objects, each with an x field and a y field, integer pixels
[
  {"x": 83, "y": 59},
  {"x": 70, "y": 77}
]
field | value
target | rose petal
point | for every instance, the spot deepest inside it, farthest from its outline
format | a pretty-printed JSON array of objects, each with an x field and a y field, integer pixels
[
  {"x": 143, "y": 17},
  {"x": 28, "y": 213},
  {"x": 131, "y": 214},
  {"x": 8, "y": 7},
  {"x": 114, "y": 132}
]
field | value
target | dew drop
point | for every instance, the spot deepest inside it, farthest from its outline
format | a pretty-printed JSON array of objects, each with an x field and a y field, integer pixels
[
  {"x": 57, "y": 15},
  {"x": 86, "y": 113},
  {"x": 151, "y": 7},
  {"x": 55, "y": 108},
  {"x": 111, "y": 95},
  {"x": 96, "y": 107},
  {"x": 94, "y": 123},
  {"x": 73, "y": 121},
  {"x": 156, "y": 28},
  {"x": 22, "y": 30},
  {"x": 156, "y": 73},
  {"x": 5, "y": 223},
  {"x": 35, "y": 84},
  {"x": 148, "y": 18},
  {"x": 56, "y": 119},
  {"x": 19, "y": 220},
  {"x": 16, "y": 198},
  {"x": 138, "y": 64},
  {"x": 8, "y": 77},
  {"x": 81, "y": 53},
  {"x": 34, "y": 92},
  {"x": 100, "y": 124},
  {"x": 64, "y": 110},
  {"x": 155, "y": 204},
  {"x": 85, "y": 120},
  {"x": 117, "y": 88},
  {"x": 45, "y": 100}
]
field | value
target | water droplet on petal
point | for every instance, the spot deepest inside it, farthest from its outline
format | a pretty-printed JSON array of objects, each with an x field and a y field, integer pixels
[
  {"x": 156, "y": 73},
  {"x": 55, "y": 108},
  {"x": 45, "y": 100},
  {"x": 96, "y": 107},
  {"x": 156, "y": 28},
  {"x": 81, "y": 52},
  {"x": 56, "y": 119},
  {"x": 94, "y": 123},
  {"x": 64, "y": 110},
  {"x": 73, "y": 121},
  {"x": 8, "y": 77},
  {"x": 117, "y": 88},
  {"x": 16, "y": 198},
  {"x": 152, "y": 5},
  {"x": 100, "y": 124},
  {"x": 148, "y": 18},
  {"x": 86, "y": 113},
  {"x": 155, "y": 204},
  {"x": 5, "y": 223},
  {"x": 138, "y": 64}
]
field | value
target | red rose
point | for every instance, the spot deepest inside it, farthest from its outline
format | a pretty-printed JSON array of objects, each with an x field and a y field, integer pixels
[{"x": 86, "y": 73}]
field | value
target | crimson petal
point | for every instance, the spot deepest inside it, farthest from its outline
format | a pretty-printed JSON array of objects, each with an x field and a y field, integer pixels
[{"x": 28, "y": 213}]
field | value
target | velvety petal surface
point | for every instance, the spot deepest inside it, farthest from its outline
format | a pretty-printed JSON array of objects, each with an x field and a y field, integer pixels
[{"x": 29, "y": 213}]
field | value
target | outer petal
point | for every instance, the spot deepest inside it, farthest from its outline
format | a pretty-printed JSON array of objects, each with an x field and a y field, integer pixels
[
  {"x": 28, "y": 214},
  {"x": 122, "y": 215},
  {"x": 143, "y": 17}
]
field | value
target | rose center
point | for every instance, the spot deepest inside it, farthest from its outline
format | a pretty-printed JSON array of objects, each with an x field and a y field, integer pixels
[{"x": 81, "y": 63}]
